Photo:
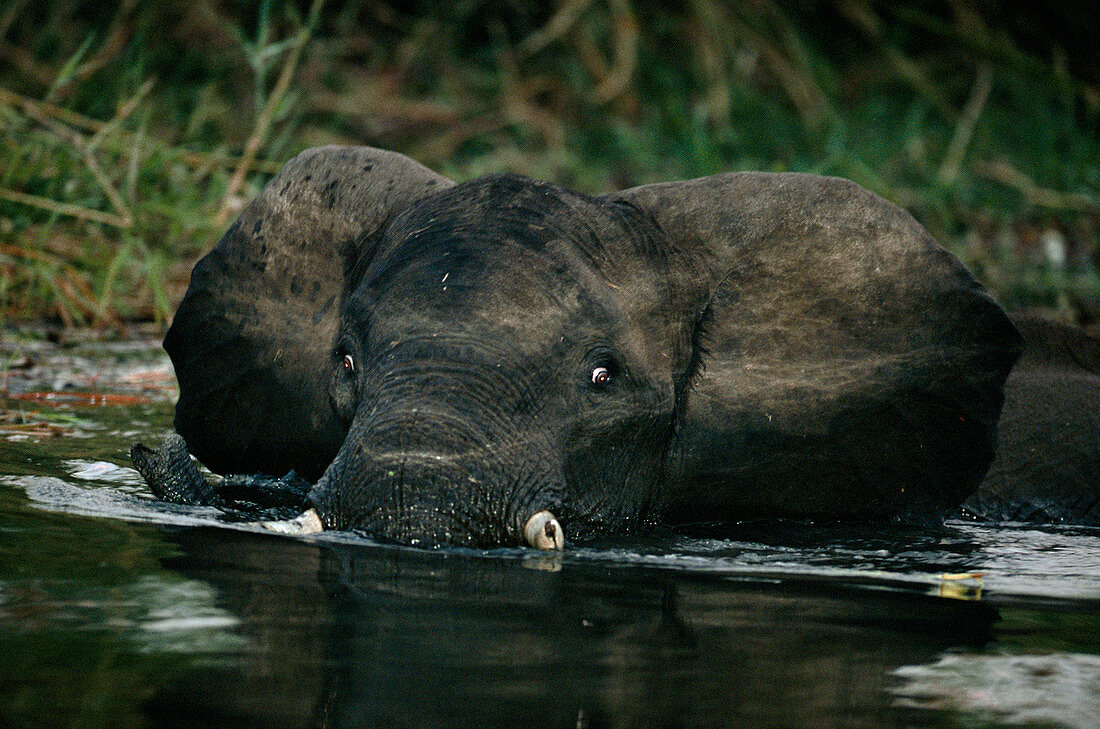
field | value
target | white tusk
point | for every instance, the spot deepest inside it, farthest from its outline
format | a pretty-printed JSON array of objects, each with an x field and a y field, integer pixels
[
  {"x": 308, "y": 522},
  {"x": 544, "y": 532}
]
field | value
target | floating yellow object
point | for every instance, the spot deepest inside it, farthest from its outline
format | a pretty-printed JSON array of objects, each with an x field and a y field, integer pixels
[
  {"x": 961, "y": 585},
  {"x": 963, "y": 576}
]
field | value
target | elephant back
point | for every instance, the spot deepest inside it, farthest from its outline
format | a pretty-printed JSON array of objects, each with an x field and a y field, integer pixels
[
  {"x": 1047, "y": 467},
  {"x": 251, "y": 340},
  {"x": 852, "y": 367}
]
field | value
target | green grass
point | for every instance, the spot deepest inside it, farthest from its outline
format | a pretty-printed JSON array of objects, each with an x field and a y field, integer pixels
[{"x": 130, "y": 133}]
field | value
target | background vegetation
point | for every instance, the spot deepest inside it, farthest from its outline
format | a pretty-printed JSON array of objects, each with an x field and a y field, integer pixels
[{"x": 131, "y": 133}]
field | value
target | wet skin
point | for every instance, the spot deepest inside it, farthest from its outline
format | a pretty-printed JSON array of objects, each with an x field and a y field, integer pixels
[{"x": 448, "y": 361}]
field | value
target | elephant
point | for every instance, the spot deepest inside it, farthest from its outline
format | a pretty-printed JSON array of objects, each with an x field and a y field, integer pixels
[
  {"x": 504, "y": 361},
  {"x": 1047, "y": 465}
]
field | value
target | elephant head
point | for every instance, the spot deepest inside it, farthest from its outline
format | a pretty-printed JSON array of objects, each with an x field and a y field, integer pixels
[{"x": 469, "y": 363}]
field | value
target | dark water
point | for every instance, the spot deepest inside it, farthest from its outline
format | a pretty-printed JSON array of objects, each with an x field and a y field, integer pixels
[{"x": 117, "y": 611}]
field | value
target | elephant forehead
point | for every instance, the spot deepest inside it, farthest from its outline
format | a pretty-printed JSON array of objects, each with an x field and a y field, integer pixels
[
  {"x": 528, "y": 317},
  {"x": 482, "y": 283},
  {"x": 533, "y": 266}
]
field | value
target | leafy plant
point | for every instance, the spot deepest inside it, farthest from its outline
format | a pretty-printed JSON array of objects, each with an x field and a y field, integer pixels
[{"x": 131, "y": 134}]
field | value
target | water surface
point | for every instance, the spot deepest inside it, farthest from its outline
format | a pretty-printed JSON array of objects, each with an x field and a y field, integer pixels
[{"x": 119, "y": 611}]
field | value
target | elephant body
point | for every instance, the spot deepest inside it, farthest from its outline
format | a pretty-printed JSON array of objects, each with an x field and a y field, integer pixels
[
  {"x": 1047, "y": 467},
  {"x": 446, "y": 361}
]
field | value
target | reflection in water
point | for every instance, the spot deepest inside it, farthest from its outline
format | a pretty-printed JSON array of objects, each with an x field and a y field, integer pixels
[
  {"x": 116, "y": 610},
  {"x": 272, "y": 585},
  {"x": 1058, "y": 689},
  {"x": 179, "y": 616},
  {"x": 91, "y": 624},
  {"x": 361, "y": 635},
  {"x": 188, "y": 622}
]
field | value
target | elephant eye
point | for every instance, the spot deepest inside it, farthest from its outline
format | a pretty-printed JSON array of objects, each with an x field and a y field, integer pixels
[
  {"x": 349, "y": 364},
  {"x": 601, "y": 376}
]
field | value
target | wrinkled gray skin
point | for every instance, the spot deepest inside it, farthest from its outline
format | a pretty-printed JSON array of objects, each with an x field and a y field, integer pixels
[
  {"x": 1046, "y": 470},
  {"x": 173, "y": 476},
  {"x": 448, "y": 360}
]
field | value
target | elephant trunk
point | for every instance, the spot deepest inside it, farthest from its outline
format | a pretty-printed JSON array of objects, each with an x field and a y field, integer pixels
[{"x": 427, "y": 478}]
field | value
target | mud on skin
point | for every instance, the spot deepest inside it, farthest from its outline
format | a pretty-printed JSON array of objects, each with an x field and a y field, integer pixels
[{"x": 504, "y": 361}]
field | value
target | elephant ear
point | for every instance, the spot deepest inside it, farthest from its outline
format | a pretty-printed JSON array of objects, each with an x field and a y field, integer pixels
[
  {"x": 251, "y": 339},
  {"x": 852, "y": 367}
]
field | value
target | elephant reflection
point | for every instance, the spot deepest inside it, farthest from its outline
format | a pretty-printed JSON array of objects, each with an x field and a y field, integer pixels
[{"x": 352, "y": 635}]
